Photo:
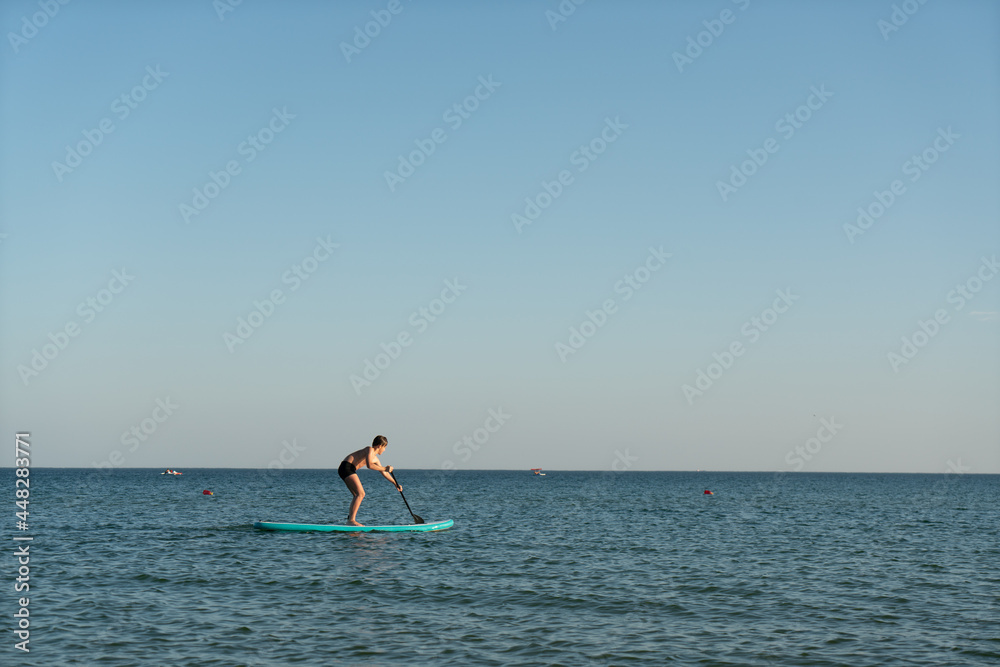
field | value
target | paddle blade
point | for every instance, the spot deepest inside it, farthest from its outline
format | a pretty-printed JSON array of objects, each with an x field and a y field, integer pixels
[{"x": 417, "y": 519}]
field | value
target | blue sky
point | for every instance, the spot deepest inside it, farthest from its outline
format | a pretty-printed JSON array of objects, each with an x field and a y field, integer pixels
[{"x": 329, "y": 130}]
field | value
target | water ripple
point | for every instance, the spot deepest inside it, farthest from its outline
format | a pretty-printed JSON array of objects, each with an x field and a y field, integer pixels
[{"x": 575, "y": 568}]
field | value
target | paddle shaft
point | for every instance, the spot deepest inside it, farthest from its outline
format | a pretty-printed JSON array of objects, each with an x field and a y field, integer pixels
[{"x": 416, "y": 519}]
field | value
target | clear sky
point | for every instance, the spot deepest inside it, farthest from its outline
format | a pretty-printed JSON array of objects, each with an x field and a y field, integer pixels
[{"x": 688, "y": 173}]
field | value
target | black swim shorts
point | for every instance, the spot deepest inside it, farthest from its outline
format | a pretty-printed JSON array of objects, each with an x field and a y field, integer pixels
[{"x": 346, "y": 469}]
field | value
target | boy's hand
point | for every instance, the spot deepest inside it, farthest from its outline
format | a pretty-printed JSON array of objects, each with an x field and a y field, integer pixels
[
  {"x": 388, "y": 469},
  {"x": 399, "y": 487}
]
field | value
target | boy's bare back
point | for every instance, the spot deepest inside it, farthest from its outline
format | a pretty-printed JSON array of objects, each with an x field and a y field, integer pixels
[{"x": 359, "y": 459}]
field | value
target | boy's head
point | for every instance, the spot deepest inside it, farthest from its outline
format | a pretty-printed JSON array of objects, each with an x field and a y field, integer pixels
[{"x": 380, "y": 441}]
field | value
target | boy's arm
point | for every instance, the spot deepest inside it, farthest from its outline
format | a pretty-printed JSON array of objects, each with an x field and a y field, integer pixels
[
  {"x": 385, "y": 473},
  {"x": 375, "y": 464},
  {"x": 372, "y": 461}
]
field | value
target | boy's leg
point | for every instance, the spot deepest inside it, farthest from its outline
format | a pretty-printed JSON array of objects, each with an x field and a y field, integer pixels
[{"x": 354, "y": 484}]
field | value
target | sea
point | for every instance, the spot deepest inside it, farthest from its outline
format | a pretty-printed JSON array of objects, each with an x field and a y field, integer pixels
[{"x": 130, "y": 567}]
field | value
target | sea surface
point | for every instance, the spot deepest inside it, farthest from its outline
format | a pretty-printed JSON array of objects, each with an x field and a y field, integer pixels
[{"x": 574, "y": 568}]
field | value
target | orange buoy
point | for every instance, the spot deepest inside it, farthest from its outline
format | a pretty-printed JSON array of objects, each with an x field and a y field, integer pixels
[
  {"x": 708, "y": 493},
  {"x": 206, "y": 492}
]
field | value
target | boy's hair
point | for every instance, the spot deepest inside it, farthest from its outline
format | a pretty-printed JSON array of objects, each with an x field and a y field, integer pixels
[{"x": 379, "y": 441}]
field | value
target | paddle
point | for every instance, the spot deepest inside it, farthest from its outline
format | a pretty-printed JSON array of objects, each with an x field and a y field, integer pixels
[{"x": 416, "y": 519}]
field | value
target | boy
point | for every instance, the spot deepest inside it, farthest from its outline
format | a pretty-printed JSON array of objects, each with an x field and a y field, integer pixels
[{"x": 348, "y": 471}]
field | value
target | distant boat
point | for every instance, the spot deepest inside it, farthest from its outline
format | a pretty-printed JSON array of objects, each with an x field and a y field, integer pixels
[
  {"x": 168, "y": 471},
  {"x": 538, "y": 471}
]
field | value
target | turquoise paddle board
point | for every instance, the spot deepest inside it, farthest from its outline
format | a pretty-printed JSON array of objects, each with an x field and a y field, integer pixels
[{"x": 329, "y": 528}]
